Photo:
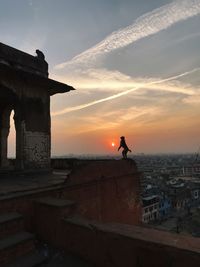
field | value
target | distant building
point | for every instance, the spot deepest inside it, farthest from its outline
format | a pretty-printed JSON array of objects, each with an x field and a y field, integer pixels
[
  {"x": 193, "y": 169},
  {"x": 180, "y": 196},
  {"x": 195, "y": 191},
  {"x": 165, "y": 206},
  {"x": 150, "y": 210}
]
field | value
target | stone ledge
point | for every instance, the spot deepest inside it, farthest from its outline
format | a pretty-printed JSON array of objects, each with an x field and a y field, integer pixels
[
  {"x": 30, "y": 260},
  {"x": 87, "y": 171},
  {"x": 15, "y": 239},
  {"x": 19, "y": 59},
  {"x": 7, "y": 217},
  {"x": 82, "y": 222},
  {"x": 24, "y": 193},
  {"x": 55, "y": 202},
  {"x": 158, "y": 237}
]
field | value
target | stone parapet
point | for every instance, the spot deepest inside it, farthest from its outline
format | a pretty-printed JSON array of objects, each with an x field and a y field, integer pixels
[{"x": 21, "y": 60}]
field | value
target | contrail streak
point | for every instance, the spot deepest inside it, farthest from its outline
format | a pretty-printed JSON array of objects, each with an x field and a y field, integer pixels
[
  {"x": 146, "y": 25},
  {"x": 79, "y": 107}
]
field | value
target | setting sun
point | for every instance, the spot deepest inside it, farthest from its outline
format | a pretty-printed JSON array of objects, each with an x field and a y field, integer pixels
[{"x": 113, "y": 144}]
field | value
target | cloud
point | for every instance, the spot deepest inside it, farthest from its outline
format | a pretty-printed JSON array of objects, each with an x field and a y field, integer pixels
[
  {"x": 112, "y": 81},
  {"x": 185, "y": 38},
  {"x": 193, "y": 100},
  {"x": 115, "y": 119},
  {"x": 146, "y": 25},
  {"x": 150, "y": 85}
]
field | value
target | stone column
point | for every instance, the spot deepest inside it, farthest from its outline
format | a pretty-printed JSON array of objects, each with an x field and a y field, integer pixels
[{"x": 32, "y": 123}]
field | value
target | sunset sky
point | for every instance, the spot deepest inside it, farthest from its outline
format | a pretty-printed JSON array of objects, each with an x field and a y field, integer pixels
[{"x": 135, "y": 66}]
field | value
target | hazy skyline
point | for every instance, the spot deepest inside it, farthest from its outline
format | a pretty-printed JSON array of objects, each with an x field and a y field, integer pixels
[{"x": 135, "y": 65}]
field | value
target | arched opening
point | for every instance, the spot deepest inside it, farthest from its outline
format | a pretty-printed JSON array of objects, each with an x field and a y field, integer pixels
[
  {"x": 4, "y": 132},
  {"x": 12, "y": 141},
  {"x": 7, "y": 104}
]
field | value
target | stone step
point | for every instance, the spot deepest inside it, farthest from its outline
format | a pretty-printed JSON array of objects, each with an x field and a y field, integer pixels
[
  {"x": 11, "y": 223},
  {"x": 48, "y": 217},
  {"x": 15, "y": 246},
  {"x": 30, "y": 260},
  {"x": 56, "y": 202},
  {"x": 61, "y": 207}
]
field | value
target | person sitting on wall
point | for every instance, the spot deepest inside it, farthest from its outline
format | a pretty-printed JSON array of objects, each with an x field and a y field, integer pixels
[{"x": 124, "y": 146}]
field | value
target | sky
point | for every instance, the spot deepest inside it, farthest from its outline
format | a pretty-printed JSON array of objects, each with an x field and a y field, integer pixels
[{"x": 135, "y": 66}]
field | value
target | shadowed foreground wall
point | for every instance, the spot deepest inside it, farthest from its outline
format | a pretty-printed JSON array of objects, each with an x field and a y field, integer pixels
[
  {"x": 106, "y": 190},
  {"x": 112, "y": 244},
  {"x": 120, "y": 245}
]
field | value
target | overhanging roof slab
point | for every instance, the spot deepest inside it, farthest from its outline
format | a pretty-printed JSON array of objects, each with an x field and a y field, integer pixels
[{"x": 17, "y": 78}]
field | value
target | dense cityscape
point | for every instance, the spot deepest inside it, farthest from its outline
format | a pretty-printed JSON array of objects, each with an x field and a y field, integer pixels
[{"x": 171, "y": 192}]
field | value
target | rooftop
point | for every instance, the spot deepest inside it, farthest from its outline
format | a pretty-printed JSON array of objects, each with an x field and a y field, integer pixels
[
  {"x": 20, "y": 60},
  {"x": 12, "y": 185}
]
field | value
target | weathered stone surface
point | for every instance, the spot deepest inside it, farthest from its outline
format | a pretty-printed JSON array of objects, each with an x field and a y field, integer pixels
[
  {"x": 118, "y": 245},
  {"x": 106, "y": 190}
]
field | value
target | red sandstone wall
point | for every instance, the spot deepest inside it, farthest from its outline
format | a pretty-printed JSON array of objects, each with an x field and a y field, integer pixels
[
  {"x": 25, "y": 204},
  {"x": 107, "y": 191},
  {"x": 117, "y": 245},
  {"x": 104, "y": 191},
  {"x": 107, "y": 247}
]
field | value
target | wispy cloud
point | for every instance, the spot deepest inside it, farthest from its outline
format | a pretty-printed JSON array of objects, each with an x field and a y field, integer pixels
[
  {"x": 146, "y": 25},
  {"x": 113, "y": 80},
  {"x": 150, "y": 85},
  {"x": 116, "y": 118},
  {"x": 193, "y": 100}
]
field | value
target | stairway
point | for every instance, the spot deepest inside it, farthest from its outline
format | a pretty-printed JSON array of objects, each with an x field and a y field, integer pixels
[
  {"x": 49, "y": 213},
  {"x": 17, "y": 247}
]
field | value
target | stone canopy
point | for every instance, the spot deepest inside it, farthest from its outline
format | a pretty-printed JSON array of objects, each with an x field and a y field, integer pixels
[{"x": 26, "y": 89}]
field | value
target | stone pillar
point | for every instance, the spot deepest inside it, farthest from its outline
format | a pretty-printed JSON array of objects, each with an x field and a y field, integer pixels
[{"x": 32, "y": 122}]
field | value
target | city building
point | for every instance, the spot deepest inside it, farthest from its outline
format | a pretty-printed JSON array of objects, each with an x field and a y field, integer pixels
[
  {"x": 165, "y": 207},
  {"x": 180, "y": 196},
  {"x": 192, "y": 170},
  {"x": 150, "y": 210},
  {"x": 195, "y": 191}
]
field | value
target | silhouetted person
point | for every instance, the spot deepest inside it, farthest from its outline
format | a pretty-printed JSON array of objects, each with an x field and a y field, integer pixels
[
  {"x": 40, "y": 55},
  {"x": 124, "y": 146}
]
